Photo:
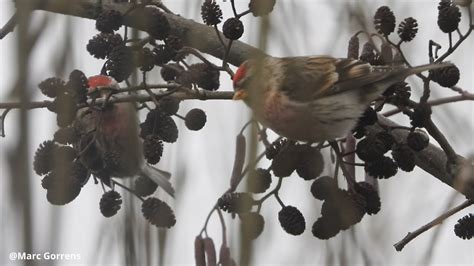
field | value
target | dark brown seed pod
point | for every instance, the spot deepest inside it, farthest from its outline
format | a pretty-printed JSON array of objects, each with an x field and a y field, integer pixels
[
  {"x": 233, "y": 28},
  {"x": 384, "y": 20}
]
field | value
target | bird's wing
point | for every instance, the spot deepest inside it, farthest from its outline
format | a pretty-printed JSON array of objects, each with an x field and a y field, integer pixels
[{"x": 320, "y": 76}]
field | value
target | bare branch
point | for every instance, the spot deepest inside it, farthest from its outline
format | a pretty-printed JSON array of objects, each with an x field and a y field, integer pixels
[
  {"x": 412, "y": 235},
  {"x": 2, "y": 122},
  {"x": 451, "y": 99},
  {"x": 200, "y": 95}
]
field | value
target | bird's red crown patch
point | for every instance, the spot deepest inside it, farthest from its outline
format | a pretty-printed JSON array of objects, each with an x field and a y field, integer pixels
[
  {"x": 99, "y": 81},
  {"x": 239, "y": 74}
]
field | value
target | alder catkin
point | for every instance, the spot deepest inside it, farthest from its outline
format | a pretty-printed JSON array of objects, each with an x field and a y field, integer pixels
[
  {"x": 224, "y": 256},
  {"x": 199, "y": 254},
  {"x": 239, "y": 160},
  {"x": 210, "y": 251}
]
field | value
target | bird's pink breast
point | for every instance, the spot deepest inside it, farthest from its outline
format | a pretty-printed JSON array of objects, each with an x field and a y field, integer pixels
[
  {"x": 280, "y": 117},
  {"x": 116, "y": 121},
  {"x": 299, "y": 121}
]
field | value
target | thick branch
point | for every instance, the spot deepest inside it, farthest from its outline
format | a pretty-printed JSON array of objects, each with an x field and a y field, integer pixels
[
  {"x": 433, "y": 160},
  {"x": 192, "y": 33}
]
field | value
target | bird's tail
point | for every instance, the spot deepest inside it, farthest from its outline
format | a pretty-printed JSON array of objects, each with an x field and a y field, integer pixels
[
  {"x": 401, "y": 73},
  {"x": 385, "y": 76},
  {"x": 160, "y": 177}
]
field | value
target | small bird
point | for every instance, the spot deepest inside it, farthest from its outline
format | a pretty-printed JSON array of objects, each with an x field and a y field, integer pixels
[
  {"x": 114, "y": 134},
  {"x": 314, "y": 98}
]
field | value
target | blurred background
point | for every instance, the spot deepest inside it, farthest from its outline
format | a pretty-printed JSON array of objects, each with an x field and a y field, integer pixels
[{"x": 201, "y": 162}]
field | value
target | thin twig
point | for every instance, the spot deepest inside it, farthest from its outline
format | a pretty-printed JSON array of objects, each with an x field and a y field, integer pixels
[
  {"x": 426, "y": 91},
  {"x": 84, "y": 150},
  {"x": 459, "y": 33},
  {"x": 450, "y": 41},
  {"x": 273, "y": 192},
  {"x": 349, "y": 178},
  {"x": 206, "y": 222},
  {"x": 351, "y": 146},
  {"x": 437, "y": 231},
  {"x": 219, "y": 36},
  {"x": 180, "y": 116},
  {"x": 353, "y": 164},
  {"x": 103, "y": 187},
  {"x": 243, "y": 13},
  {"x": 412, "y": 235},
  {"x": 152, "y": 96},
  {"x": 224, "y": 230},
  {"x": 150, "y": 86},
  {"x": 182, "y": 95},
  {"x": 190, "y": 50},
  {"x": 277, "y": 197},
  {"x": 244, "y": 172},
  {"x": 400, "y": 51},
  {"x": 148, "y": 90},
  {"x": 127, "y": 189},
  {"x": 347, "y": 153},
  {"x": 246, "y": 125},
  {"x": 234, "y": 9},
  {"x": 140, "y": 42},
  {"x": 451, "y": 99},
  {"x": 164, "y": 7},
  {"x": 2, "y": 121},
  {"x": 9, "y": 26},
  {"x": 262, "y": 132}
]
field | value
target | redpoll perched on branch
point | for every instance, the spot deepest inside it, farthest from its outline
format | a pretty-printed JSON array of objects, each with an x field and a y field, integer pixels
[
  {"x": 113, "y": 138},
  {"x": 314, "y": 98}
]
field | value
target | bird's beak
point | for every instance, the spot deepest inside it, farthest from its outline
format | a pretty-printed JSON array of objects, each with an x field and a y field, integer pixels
[{"x": 240, "y": 95}]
